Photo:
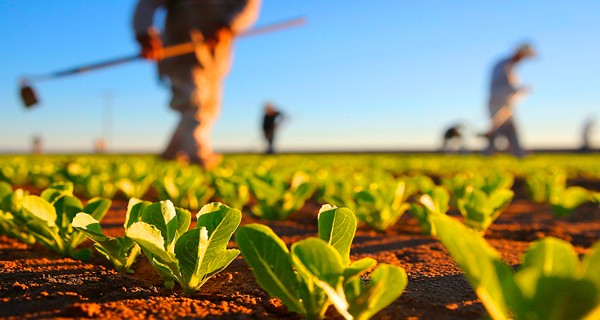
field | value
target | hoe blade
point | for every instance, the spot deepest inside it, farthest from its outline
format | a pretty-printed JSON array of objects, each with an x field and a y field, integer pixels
[{"x": 28, "y": 96}]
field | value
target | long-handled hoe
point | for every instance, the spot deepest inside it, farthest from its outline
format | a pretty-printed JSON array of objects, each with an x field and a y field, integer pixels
[{"x": 29, "y": 97}]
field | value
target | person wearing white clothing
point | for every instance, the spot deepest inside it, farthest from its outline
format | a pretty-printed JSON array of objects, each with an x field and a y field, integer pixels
[{"x": 504, "y": 93}]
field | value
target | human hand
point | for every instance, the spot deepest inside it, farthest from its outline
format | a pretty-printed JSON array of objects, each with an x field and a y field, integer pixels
[
  {"x": 223, "y": 35},
  {"x": 151, "y": 46}
]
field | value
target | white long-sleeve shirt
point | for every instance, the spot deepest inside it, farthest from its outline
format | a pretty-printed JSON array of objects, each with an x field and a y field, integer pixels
[{"x": 504, "y": 89}]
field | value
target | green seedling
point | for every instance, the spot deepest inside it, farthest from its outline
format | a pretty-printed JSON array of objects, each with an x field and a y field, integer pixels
[
  {"x": 10, "y": 202},
  {"x": 564, "y": 201},
  {"x": 134, "y": 187},
  {"x": 380, "y": 208},
  {"x": 275, "y": 200},
  {"x": 541, "y": 185},
  {"x": 551, "y": 283},
  {"x": 489, "y": 182},
  {"x": 317, "y": 272},
  {"x": 480, "y": 209},
  {"x": 189, "y": 257},
  {"x": 338, "y": 192},
  {"x": 233, "y": 191},
  {"x": 120, "y": 251},
  {"x": 49, "y": 218},
  {"x": 185, "y": 188},
  {"x": 433, "y": 202}
]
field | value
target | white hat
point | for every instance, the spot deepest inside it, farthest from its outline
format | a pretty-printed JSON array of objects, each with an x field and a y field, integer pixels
[{"x": 526, "y": 50}]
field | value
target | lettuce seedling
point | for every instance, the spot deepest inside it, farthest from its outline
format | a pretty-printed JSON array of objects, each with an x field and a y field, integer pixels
[
  {"x": 232, "y": 190},
  {"x": 380, "y": 208},
  {"x": 49, "y": 218},
  {"x": 434, "y": 201},
  {"x": 10, "y": 202},
  {"x": 541, "y": 185},
  {"x": 551, "y": 283},
  {"x": 564, "y": 201},
  {"x": 189, "y": 189},
  {"x": 480, "y": 209},
  {"x": 189, "y": 257},
  {"x": 120, "y": 251},
  {"x": 552, "y": 189},
  {"x": 317, "y": 272},
  {"x": 275, "y": 200},
  {"x": 461, "y": 183},
  {"x": 134, "y": 187}
]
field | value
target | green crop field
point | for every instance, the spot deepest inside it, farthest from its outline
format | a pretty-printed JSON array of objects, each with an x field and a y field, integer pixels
[{"x": 59, "y": 202}]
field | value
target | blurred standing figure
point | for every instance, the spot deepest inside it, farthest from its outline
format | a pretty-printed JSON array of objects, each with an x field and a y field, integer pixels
[
  {"x": 36, "y": 147},
  {"x": 195, "y": 80},
  {"x": 453, "y": 139},
  {"x": 588, "y": 129},
  {"x": 271, "y": 120},
  {"x": 504, "y": 94}
]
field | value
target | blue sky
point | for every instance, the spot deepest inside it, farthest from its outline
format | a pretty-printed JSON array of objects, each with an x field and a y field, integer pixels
[{"x": 360, "y": 75}]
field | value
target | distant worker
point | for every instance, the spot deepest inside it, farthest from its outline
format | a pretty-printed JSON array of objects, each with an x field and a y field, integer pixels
[
  {"x": 453, "y": 139},
  {"x": 586, "y": 138},
  {"x": 195, "y": 79},
  {"x": 36, "y": 147},
  {"x": 504, "y": 94},
  {"x": 271, "y": 121}
]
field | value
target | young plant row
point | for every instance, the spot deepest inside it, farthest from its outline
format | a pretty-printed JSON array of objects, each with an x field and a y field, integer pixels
[
  {"x": 550, "y": 283},
  {"x": 277, "y": 187},
  {"x": 314, "y": 274}
]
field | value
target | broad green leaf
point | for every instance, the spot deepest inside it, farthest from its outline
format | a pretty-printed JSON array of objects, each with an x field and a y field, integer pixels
[
  {"x": 221, "y": 222},
  {"x": 436, "y": 200},
  {"x": 66, "y": 209},
  {"x": 135, "y": 207},
  {"x": 213, "y": 215},
  {"x": 551, "y": 257},
  {"x": 481, "y": 263},
  {"x": 221, "y": 261},
  {"x": 40, "y": 209},
  {"x": 150, "y": 239},
  {"x": 337, "y": 227},
  {"x": 551, "y": 284},
  {"x": 90, "y": 226},
  {"x": 270, "y": 261},
  {"x": 314, "y": 257},
  {"x": 590, "y": 266},
  {"x": 190, "y": 250},
  {"x": 386, "y": 285},
  {"x": 358, "y": 267},
  {"x": 500, "y": 199},
  {"x": 320, "y": 265},
  {"x": 97, "y": 207},
  {"x": 163, "y": 216},
  {"x": 184, "y": 219},
  {"x": 56, "y": 191},
  {"x": 556, "y": 297}
]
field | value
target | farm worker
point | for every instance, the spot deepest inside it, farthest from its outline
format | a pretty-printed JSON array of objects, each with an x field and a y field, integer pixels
[
  {"x": 504, "y": 93},
  {"x": 195, "y": 79},
  {"x": 588, "y": 128},
  {"x": 271, "y": 120}
]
